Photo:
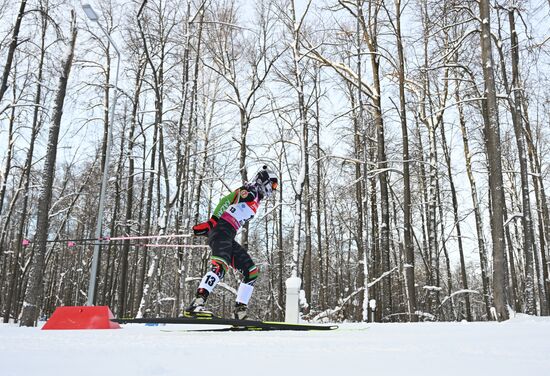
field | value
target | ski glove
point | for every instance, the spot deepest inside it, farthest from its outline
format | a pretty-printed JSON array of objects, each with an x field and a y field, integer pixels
[{"x": 203, "y": 228}]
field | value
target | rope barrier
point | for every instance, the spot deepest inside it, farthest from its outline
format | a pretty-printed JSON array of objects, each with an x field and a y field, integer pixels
[
  {"x": 149, "y": 237},
  {"x": 119, "y": 240},
  {"x": 178, "y": 245}
]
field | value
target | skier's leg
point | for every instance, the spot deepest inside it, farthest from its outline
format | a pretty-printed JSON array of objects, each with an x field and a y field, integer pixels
[
  {"x": 221, "y": 244},
  {"x": 245, "y": 265},
  {"x": 212, "y": 277},
  {"x": 207, "y": 284}
]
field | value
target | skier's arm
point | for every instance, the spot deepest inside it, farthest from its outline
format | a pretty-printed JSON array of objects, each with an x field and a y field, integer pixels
[
  {"x": 224, "y": 203},
  {"x": 240, "y": 195},
  {"x": 204, "y": 227}
]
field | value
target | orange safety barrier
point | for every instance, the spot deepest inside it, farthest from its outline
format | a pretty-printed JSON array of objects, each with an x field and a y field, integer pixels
[{"x": 85, "y": 317}]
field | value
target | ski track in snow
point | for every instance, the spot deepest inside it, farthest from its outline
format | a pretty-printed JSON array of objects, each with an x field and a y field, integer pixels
[{"x": 520, "y": 346}]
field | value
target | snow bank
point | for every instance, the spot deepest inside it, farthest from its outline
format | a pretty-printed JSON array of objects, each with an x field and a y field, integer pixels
[{"x": 520, "y": 346}]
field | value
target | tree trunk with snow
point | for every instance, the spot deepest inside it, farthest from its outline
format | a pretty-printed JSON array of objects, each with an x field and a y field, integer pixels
[
  {"x": 529, "y": 246},
  {"x": 298, "y": 86},
  {"x": 370, "y": 28},
  {"x": 122, "y": 300},
  {"x": 493, "y": 148},
  {"x": 542, "y": 205},
  {"x": 408, "y": 247}
]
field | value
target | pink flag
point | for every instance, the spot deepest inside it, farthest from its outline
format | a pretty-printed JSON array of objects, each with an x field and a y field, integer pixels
[{"x": 25, "y": 242}]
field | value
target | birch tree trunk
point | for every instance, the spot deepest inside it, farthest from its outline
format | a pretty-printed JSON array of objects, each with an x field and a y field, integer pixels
[
  {"x": 408, "y": 267},
  {"x": 369, "y": 26},
  {"x": 303, "y": 128},
  {"x": 542, "y": 204},
  {"x": 4, "y": 175},
  {"x": 318, "y": 201},
  {"x": 431, "y": 187},
  {"x": 122, "y": 300},
  {"x": 484, "y": 264},
  {"x": 361, "y": 181},
  {"x": 493, "y": 146},
  {"x": 463, "y": 272},
  {"x": 152, "y": 53},
  {"x": 527, "y": 219}
]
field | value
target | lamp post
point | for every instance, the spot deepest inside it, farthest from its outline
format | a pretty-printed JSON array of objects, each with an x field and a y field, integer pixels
[{"x": 92, "y": 15}]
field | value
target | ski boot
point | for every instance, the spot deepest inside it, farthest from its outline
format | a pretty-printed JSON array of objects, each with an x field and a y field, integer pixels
[
  {"x": 240, "y": 311},
  {"x": 197, "y": 309}
]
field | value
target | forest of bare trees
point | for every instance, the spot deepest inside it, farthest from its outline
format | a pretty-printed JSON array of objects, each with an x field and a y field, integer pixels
[{"x": 410, "y": 138}]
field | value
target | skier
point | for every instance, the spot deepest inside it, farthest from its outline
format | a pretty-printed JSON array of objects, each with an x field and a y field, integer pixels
[{"x": 233, "y": 211}]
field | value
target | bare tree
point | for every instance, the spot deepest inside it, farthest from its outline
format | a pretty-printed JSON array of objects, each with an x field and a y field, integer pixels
[
  {"x": 34, "y": 291},
  {"x": 493, "y": 145},
  {"x": 408, "y": 256},
  {"x": 26, "y": 177},
  {"x": 244, "y": 58},
  {"x": 529, "y": 247}
]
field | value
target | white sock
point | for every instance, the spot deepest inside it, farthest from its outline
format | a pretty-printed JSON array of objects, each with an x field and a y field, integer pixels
[
  {"x": 209, "y": 281},
  {"x": 244, "y": 293}
]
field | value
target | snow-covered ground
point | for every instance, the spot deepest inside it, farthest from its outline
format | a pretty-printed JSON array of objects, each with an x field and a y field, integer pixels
[{"x": 520, "y": 346}]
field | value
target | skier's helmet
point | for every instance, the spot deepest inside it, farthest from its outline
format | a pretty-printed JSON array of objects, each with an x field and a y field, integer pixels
[{"x": 267, "y": 181}]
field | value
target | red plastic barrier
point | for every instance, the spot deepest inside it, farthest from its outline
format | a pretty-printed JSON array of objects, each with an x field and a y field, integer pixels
[{"x": 94, "y": 317}]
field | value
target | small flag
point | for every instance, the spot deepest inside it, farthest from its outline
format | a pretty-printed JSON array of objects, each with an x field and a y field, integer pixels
[
  {"x": 25, "y": 242},
  {"x": 71, "y": 244}
]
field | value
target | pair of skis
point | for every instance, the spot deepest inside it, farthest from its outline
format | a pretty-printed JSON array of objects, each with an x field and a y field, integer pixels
[{"x": 227, "y": 324}]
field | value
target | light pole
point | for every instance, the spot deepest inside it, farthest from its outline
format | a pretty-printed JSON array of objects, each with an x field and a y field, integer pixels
[{"x": 92, "y": 15}]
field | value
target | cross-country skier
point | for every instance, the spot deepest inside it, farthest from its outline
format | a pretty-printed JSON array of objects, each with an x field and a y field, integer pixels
[{"x": 233, "y": 211}]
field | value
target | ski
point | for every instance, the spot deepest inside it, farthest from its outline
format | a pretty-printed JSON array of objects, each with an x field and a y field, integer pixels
[{"x": 234, "y": 325}]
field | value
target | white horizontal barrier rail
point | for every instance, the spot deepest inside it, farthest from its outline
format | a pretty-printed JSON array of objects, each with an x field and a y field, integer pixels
[{"x": 148, "y": 237}]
